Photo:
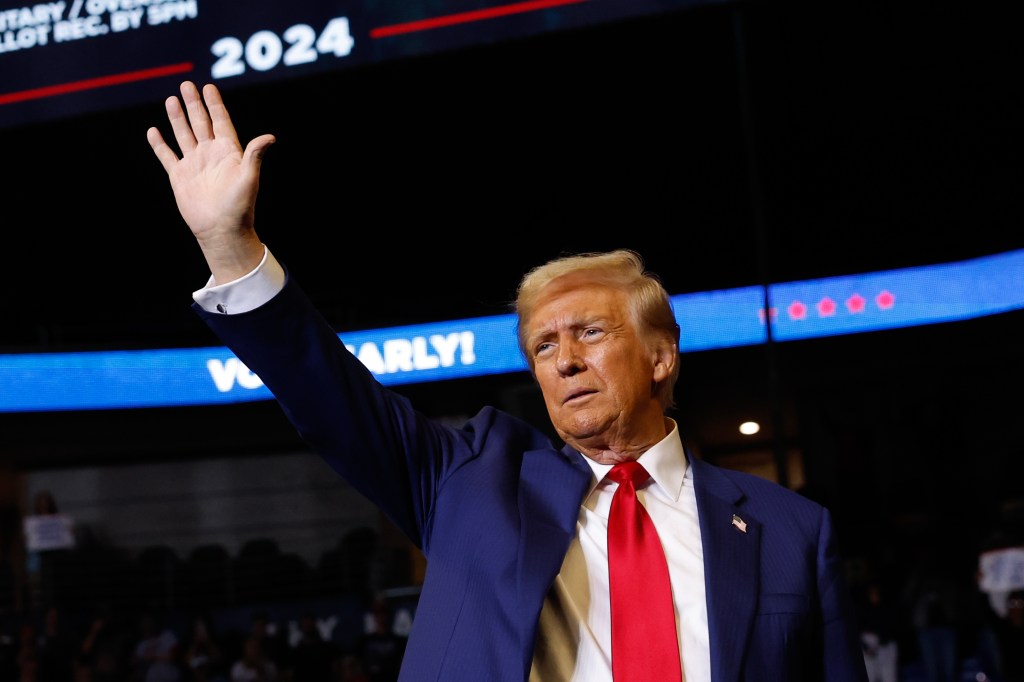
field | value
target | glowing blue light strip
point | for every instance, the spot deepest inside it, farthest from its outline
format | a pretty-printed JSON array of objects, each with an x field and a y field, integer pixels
[{"x": 487, "y": 345}]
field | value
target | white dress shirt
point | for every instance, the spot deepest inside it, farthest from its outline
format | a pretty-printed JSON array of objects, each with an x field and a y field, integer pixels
[
  {"x": 574, "y": 640},
  {"x": 245, "y": 293}
]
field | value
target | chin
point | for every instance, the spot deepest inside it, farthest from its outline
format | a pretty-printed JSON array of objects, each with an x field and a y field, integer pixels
[{"x": 580, "y": 431}]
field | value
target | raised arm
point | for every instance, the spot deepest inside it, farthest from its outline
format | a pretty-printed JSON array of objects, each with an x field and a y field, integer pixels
[{"x": 215, "y": 181}]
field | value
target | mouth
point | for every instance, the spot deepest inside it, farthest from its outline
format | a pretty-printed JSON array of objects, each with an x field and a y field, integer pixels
[{"x": 577, "y": 395}]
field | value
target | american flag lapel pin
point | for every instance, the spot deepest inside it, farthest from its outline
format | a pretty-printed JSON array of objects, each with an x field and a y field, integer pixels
[{"x": 740, "y": 524}]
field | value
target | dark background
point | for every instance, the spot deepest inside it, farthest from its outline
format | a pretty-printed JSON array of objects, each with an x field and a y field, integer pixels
[{"x": 731, "y": 145}]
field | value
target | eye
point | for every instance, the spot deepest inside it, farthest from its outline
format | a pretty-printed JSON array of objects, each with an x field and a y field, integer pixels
[{"x": 542, "y": 349}]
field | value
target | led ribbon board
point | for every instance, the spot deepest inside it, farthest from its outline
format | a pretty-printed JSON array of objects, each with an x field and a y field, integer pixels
[
  {"x": 459, "y": 349},
  {"x": 71, "y": 57}
]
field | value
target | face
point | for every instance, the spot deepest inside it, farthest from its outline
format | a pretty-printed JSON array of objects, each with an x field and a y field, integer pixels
[{"x": 595, "y": 371}]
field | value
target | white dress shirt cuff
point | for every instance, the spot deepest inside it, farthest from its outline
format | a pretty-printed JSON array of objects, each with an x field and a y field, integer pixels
[{"x": 245, "y": 293}]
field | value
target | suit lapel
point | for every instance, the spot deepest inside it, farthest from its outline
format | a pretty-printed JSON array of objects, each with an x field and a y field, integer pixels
[
  {"x": 551, "y": 488},
  {"x": 731, "y": 568}
]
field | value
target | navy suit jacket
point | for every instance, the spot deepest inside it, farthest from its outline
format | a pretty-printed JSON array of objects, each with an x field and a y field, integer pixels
[{"x": 493, "y": 506}]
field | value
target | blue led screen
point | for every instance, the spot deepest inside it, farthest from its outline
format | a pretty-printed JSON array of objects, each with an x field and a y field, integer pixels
[{"x": 465, "y": 348}]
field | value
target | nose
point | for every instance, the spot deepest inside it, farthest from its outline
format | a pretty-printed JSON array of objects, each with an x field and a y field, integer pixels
[{"x": 569, "y": 361}]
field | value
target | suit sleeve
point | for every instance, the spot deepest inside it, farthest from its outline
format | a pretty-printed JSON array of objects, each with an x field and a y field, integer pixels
[{"x": 367, "y": 433}]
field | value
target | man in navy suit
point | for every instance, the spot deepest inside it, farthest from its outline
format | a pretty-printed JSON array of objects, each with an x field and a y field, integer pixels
[{"x": 514, "y": 528}]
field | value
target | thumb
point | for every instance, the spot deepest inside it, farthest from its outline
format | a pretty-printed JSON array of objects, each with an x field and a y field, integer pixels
[{"x": 257, "y": 147}]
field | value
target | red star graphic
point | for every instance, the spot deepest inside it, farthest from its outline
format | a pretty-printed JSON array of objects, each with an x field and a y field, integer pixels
[
  {"x": 885, "y": 300},
  {"x": 826, "y": 307},
  {"x": 771, "y": 311},
  {"x": 855, "y": 304},
  {"x": 797, "y": 310}
]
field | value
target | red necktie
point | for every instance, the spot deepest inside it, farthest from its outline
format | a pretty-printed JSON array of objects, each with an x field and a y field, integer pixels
[{"x": 644, "y": 643}]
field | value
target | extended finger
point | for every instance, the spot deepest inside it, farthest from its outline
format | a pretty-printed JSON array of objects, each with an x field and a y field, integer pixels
[
  {"x": 219, "y": 117},
  {"x": 164, "y": 154},
  {"x": 198, "y": 117},
  {"x": 179, "y": 125}
]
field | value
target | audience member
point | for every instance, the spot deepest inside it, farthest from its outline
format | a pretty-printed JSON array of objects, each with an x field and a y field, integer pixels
[
  {"x": 272, "y": 640},
  {"x": 348, "y": 667},
  {"x": 934, "y": 600},
  {"x": 204, "y": 658},
  {"x": 156, "y": 655},
  {"x": 105, "y": 649},
  {"x": 47, "y": 532},
  {"x": 56, "y": 648},
  {"x": 12, "y": 563},
  {"x": 879, "y": 625},
  {"x": 9, "y": 650},
  {"x": 28, "y": 658},
  {"x": 380, "y": 649},
  {"x": 254, "y": 665},
  {"x": 310, "y": 655},
  {"x": 979, "y": 625},
  {"x": 1010, "y": 635}
]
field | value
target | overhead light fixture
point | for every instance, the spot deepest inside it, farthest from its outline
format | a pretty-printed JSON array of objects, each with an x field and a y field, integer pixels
[{"x": 749, "y": 428}]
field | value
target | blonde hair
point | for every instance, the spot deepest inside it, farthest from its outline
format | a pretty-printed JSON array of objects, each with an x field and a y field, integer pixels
[{"x": 621, "y": 269}]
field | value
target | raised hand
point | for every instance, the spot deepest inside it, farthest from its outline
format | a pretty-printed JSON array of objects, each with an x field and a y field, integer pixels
[{"x": 215, "y": 181}]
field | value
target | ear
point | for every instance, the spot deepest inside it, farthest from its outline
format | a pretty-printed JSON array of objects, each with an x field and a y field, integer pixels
[{"x": 666, "y": 355}]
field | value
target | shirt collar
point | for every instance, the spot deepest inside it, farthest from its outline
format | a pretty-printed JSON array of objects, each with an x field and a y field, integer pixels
[{"x": 665, "y": 461}]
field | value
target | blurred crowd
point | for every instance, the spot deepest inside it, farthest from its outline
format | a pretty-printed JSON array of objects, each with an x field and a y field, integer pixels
[
  {"x": 930, "y": 610},
  {"x": 150, "y": 646}
]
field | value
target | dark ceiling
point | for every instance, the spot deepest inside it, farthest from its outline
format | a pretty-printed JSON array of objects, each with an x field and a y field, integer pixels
[{"x": 730, "y": 145}]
